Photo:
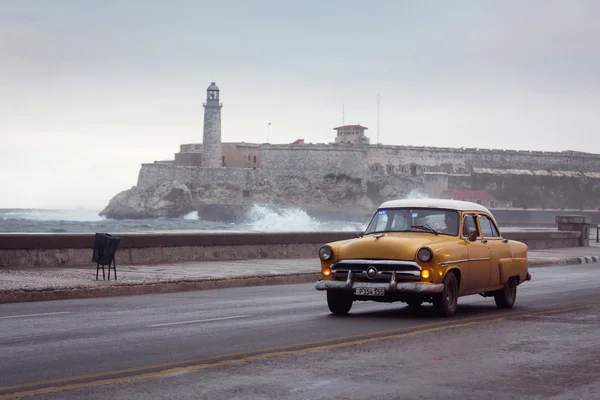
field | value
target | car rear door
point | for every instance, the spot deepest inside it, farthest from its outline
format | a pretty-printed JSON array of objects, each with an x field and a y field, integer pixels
[
  {"x": 479, "y": 264},
  {"x": 500, "y": 252}
]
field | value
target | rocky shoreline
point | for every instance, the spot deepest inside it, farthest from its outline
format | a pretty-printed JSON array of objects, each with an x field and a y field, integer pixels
[{"x": 328, "y": 197}]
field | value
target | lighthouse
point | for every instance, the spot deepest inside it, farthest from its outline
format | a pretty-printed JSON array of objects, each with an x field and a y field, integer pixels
[{"x": 211, "y": 153}]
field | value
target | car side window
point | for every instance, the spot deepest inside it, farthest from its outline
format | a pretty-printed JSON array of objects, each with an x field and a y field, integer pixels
[
  {"x": 469, "y": 225},
  {"x": 487, "y": 226},
  {"x": 494, "y": 230}
]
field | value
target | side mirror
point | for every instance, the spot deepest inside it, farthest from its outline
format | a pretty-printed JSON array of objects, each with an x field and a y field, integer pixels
[{"x": 473, "y": 236}]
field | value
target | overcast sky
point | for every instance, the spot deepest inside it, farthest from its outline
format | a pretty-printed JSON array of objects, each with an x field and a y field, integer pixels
[{"x": 89, "y": 90}]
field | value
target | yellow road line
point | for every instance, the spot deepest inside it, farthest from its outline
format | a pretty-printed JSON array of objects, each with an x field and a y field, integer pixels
[
  {"x": 228, "y": 355},
  {"x": 234, "y": 361},
  {"x": 267, "y": 353}
]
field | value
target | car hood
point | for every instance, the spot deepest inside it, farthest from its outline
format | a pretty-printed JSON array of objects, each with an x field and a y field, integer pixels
[{"x": 390, "y": 246}]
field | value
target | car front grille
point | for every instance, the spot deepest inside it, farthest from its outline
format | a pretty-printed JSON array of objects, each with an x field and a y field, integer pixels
[{"x": 404, "y": 270}]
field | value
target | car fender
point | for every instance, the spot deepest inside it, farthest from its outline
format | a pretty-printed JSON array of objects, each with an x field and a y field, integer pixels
[{"x": 510, "y": 267}]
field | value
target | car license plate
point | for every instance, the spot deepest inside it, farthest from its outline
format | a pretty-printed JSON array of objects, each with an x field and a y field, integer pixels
[{"x": 367, "y": 291}]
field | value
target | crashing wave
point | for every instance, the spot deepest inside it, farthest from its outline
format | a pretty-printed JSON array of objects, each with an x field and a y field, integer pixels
[{"x": 266, "y": 218}]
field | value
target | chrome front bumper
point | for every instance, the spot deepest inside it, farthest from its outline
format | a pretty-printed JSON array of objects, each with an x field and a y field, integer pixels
[
  {"x": 392, "y": 287},
  {"x": 402, "y": 270}
]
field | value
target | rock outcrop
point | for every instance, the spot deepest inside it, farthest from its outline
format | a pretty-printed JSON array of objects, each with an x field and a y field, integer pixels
[{"x": 168, "y": 199}]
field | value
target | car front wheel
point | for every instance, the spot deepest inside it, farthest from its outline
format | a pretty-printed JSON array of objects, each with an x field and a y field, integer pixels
[
  {"x": 447, "y": 302},
  {"x": 505, "y": 298},
  {"x": 339, "y": 302}
]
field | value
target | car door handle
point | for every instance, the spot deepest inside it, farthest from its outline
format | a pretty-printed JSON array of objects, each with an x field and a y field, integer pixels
[
  {"x": 504, "y": 240},
  {"x": 484, "y": 241}
]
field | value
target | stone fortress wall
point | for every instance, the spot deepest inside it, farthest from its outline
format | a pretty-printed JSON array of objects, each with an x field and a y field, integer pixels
[
  {"x": 525, "y": 178},
  {"x": 400, "y": 160},
  {"x": 311, "y": 160}
]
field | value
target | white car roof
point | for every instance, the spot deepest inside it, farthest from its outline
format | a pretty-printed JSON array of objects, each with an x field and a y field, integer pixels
[{"x": 436, "y": 203}]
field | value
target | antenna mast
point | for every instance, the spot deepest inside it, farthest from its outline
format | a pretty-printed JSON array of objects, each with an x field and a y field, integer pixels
[
  {"x": 377, "y": 118},
  {"x": 342, "y": 115}
]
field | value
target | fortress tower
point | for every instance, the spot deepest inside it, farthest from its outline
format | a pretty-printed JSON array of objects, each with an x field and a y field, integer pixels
[{"x": 211, "y": 156}]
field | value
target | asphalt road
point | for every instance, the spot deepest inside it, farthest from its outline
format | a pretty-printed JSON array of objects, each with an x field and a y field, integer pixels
[{"x": 281, "y": 342}]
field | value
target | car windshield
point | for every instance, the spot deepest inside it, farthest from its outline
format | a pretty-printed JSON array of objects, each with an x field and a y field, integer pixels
[{"x": 414, "y": 220}]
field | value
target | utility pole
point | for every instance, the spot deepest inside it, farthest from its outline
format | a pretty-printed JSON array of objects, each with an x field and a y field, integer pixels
[
  {"x": 268, "y": 131},
  {"x": 377, "y": 118}
]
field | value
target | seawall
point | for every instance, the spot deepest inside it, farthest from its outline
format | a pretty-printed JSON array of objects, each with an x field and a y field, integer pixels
[
  {"x": 45, "y": 250},
  {"x": 510, "y": 217},
  {"x": 50, "y": 250}
]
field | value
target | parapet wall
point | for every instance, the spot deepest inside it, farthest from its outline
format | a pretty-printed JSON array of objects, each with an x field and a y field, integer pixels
[
  {"x": 52, "y": 250},
  {"x": 47, "y": 250}
]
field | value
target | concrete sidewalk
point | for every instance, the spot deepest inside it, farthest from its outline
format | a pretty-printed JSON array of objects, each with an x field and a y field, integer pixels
[{"x": 18, "y": 285}]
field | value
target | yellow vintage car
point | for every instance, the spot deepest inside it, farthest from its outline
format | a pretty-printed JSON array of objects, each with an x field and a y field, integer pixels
[{"x": 424, "y": 250}]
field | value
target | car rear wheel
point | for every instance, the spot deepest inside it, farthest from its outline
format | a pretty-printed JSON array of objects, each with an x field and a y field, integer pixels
[
  {"x": 505, "y": 298},
  {"x": 339, "y": 302},
  {"x": 447, "y": 302}
]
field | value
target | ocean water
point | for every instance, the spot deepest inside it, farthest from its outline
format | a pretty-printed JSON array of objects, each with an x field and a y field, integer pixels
[{"x": 260, "y": 219}]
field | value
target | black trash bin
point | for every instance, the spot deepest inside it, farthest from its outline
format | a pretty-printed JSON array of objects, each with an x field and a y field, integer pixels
[{"x": 105, "y": 248}]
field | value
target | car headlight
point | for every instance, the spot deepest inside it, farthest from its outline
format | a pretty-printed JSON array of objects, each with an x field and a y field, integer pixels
[
  {"x": 325, "y": 253},
  {"x": 424, "y": 254}
]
